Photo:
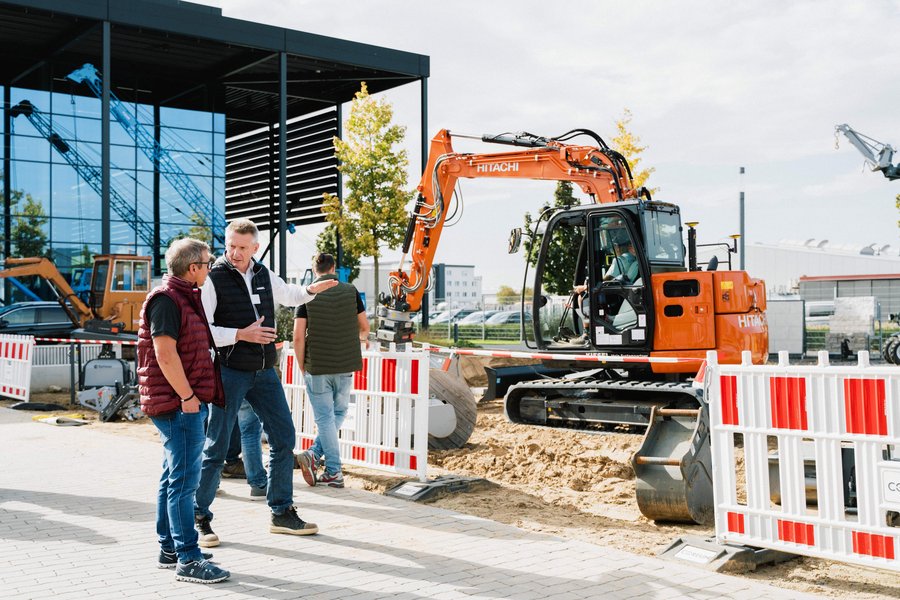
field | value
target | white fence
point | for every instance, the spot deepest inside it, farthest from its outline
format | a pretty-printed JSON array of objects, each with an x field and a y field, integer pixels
[
  {"x": 386, "y": 426},
  {"x": 820, "y": 453},
  {"x": 15, "y": 366}
]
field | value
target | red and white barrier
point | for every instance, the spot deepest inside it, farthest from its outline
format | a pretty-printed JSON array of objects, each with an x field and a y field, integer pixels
[
  {"x": 386, "y": 426},
  {"x": 597, "y": 358},
  {"x": 15, "y": 366},
  {"x": 77, "y": 341},
  {"x": 808, "y": 416}
]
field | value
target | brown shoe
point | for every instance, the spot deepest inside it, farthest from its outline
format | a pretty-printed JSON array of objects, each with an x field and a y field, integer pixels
[{"x": 288, "y": 522}]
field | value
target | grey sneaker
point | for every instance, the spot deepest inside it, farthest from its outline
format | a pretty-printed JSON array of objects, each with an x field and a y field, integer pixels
[
  {"x": 207, "y": 538},
  {"x": 307, "y": 462},
  {"x": 200, "y": 571},
  {"x": 258, "y": 493},
  {"x": 335, "y": 480},
  {"x": 168, "y": 560},
  {"x": 288, "y": 522}
]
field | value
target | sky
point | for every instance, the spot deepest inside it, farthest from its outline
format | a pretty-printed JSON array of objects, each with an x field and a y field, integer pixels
[{"x": 712, "y": 87}]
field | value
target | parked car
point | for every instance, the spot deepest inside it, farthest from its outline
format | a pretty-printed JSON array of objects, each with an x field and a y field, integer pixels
[
  {"x": 477, "y": 317},
  {"x": 40, "y": 319},
  {"x": 819, "y": 312},
  {"x": 507, "y": 317},
  {"x": 452, "y": 316}
]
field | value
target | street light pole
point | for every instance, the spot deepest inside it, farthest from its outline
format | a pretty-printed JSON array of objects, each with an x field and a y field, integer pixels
[{"x": 743, "y": 235}]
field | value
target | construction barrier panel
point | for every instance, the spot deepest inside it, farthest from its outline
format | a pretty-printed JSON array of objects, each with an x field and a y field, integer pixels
[
  {"x": 16, "y": 352},
  {"x": 386, "y": 426},
  {"x": 821, "y": 458}
]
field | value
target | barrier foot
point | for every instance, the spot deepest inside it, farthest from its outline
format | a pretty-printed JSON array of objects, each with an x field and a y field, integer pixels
[
  {"x": 705, "y": 552},
  {"x": 416, "y": 491}
]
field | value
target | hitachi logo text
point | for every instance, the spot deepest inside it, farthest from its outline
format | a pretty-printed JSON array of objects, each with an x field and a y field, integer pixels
[
  {"x": 751, "y": 321},
  {"x": 498, "y": 168}
]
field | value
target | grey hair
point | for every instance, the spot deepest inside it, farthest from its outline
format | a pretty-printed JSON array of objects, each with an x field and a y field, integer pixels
[
  {"x": 243, "y": 226},
  {"x": 182, "y": 253}
]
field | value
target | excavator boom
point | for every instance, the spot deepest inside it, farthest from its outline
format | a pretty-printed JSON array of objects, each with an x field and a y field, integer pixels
[
  {"x": 599, "y": 171},
  {"x": 77, "y": 310}
]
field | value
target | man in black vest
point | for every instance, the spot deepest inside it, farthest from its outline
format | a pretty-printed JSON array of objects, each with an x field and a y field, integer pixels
[
  {"x": 239, "y": 298},
  {"x": 327, "y": 337}
]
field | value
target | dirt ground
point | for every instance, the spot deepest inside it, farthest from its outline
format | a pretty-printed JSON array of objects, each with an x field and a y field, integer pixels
[{"x": 574, "y": 485}]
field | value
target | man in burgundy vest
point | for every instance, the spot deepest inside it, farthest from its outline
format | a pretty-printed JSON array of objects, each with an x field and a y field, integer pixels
[{"x": 178, "y": 378}]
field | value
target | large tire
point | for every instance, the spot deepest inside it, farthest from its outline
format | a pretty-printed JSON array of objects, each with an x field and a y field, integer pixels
[
  {"x": 453, "y": 390},
  {"x": 889, "y": 350}
]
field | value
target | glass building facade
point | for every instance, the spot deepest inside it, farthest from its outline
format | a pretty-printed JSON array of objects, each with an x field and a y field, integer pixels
[{"x": 54, "y": 164}]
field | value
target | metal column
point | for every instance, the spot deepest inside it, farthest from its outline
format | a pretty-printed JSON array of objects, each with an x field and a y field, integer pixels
[
  {"x": 282, "y": 164},
  {"x": 424, "y": 111},
  {"x": 104, "y": 143}
]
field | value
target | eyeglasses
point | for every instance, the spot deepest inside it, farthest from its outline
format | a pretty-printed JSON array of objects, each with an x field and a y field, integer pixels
[{"x": 209, "y": 263}]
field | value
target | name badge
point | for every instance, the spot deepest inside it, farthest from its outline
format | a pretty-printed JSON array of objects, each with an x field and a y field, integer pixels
[{"x": 254, "y": 298}]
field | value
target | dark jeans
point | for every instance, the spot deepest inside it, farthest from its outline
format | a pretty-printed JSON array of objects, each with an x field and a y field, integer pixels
[
  {"x": 245, "y": 439},
  {"x": 182, "y": 438},
  {"x": 262, "y": 389}
]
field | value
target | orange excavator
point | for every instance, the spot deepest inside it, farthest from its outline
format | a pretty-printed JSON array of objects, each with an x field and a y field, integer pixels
[
  {"x": 119, "y": 284},
  {"x": 636, "y": 301}
]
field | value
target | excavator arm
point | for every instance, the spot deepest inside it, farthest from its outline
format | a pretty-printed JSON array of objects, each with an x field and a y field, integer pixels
[
  {"x": 878, "y": 156},
  {"x": 600, "y": 171},
  {"x": 77, "y": 310}
]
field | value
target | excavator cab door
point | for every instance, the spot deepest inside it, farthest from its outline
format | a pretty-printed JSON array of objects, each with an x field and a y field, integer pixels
[
  {"x": 98, "y": 285},
  {"x": 615, "y": 309}
]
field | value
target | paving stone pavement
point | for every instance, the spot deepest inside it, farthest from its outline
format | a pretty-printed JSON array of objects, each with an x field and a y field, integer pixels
[{"x": 77, "y": 510}]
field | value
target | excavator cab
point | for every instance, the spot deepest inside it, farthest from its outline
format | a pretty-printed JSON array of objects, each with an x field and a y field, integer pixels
[{"x": 619, "y": 247}]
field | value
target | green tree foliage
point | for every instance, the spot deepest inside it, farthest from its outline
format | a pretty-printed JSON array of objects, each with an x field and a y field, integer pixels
[
  {"x": 27, "y": 233},
  {"x": 507, "y": 295},
  {"x": 327, "y": 242},
  {"x": 897, "y": 204},
  {"x": 373, "y": 212},
  {"x": 629, "y": 145},
  {"x": 559, "y": 272}
]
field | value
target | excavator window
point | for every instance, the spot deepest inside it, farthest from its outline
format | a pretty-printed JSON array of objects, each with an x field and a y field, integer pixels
[{"x": 662, "y": 236}]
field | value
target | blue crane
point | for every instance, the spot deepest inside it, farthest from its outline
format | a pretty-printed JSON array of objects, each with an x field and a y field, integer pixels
[
  {"x": 90, "y": 173},
  {"x": 202, "y": 206}
]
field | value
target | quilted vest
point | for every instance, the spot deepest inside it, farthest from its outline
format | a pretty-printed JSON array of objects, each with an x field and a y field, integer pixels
[
  {"x": 193, "y": 345},
  {"x": 234, "y": 308},
  {"x": 332, "y": 331}
]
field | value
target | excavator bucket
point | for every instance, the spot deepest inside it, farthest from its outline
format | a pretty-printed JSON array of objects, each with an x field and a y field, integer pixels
[{"x": 673, "y": 467}]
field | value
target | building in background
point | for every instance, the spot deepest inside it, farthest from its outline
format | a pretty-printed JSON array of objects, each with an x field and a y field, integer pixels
[
  {"x": 244, "y": 112},
  {"x": 455, "y": 286},
  {"x": 782, "y": 265}
]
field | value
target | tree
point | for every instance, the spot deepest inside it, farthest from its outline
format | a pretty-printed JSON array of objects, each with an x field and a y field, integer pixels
[
  {"x": 628, "y": 144},
  {"x": 373, "y": 212},
  {"x": 507, "y": 295},
  {"x": 560, "y": 262},
  {"x": 327, "y": 242},
  {"x": 27, "y": 234}
]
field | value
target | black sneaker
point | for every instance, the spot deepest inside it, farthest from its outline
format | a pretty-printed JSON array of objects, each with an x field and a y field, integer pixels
[
  {"x": 200, "y": 571},
  {"x": 288, "y": 522},
  {"x": 168, "y": 560},
  {"x": 207, "y": 537},
  {"x": 234, "y": 470}
]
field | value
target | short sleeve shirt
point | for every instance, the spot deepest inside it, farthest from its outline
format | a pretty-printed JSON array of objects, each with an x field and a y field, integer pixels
[
  {"x": 164, "y": 317},
  {"x": 301, "y": 313}
]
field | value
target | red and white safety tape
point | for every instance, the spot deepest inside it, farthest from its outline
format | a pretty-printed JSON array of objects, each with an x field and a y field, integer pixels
[
  {"x": 77, "y": 341},
  {"x": 606, "y": 358}
]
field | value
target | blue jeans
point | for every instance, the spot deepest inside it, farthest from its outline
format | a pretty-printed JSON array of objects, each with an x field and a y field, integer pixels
[
  {"x": 262, "y": 389},
  {"x": 182, "y": 438},
  {"x": 251, "y": 446},
  {"x": 329, "y": 396},
  {"x": 245, "y": 438}
]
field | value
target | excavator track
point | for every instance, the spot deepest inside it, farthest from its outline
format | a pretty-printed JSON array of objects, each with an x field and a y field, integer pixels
[{"x": 673, "y": 467}]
